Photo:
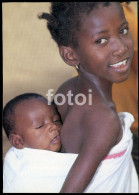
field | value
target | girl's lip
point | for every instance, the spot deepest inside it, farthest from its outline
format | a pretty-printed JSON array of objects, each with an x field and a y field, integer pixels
[
  {"x": 121, "y": 67},
  {"x": 56, "y": 139},
  {"x": 119, "y": 64}
]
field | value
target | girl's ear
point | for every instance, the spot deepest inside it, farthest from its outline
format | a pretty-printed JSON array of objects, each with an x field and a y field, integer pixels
[
  {"x": 68, "y": 55},
  {"x": 16, "y": 141}
]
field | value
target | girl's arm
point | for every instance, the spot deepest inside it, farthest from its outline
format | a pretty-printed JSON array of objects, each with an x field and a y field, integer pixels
[{"x": 99, "y": 138}]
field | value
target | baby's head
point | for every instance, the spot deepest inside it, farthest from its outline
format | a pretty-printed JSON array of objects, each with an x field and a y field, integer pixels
[{"x": 29, "y": 121}]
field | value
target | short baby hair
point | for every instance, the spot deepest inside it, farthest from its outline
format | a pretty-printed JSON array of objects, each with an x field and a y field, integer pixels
[
  {"x": 64, "y": 20},
  {"x": 9, "y": 110}
]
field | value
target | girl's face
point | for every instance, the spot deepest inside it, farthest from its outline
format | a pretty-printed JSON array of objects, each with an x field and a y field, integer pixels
[
  {"x": 105, "y": 47},
  {"x": 38, "y": 124}
]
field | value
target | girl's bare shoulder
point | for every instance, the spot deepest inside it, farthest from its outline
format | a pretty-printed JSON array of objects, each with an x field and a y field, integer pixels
[
  {"x": 101, "y": 122},
  {"x": 67, "y": 85}
]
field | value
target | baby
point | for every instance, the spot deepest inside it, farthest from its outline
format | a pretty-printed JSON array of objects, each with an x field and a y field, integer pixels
[
  {"x": 30, "y": 122},
  {"x": 33, "y": 128}
]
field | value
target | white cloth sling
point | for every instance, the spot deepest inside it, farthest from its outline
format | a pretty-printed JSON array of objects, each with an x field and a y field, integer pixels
[{"x": 32, "y": 170}]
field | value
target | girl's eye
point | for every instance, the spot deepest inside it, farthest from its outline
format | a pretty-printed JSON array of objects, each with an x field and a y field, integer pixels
[
  {"x": 124, "y": 31},
  {"x": 101, "y": 41},
  {"x": 39, "y": 126}
]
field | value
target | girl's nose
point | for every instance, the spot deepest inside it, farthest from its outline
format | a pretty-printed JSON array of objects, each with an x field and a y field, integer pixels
[{"x": 119, "y": 48}]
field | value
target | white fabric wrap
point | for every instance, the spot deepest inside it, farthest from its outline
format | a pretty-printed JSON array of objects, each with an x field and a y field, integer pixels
[{"x": 32, "y": 170}]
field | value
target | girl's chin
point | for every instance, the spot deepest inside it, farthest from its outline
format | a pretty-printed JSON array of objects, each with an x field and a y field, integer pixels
[{"x": 122, "y": 78}]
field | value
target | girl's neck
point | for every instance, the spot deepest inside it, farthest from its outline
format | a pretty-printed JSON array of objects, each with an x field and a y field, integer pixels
[{"x": 103, "y": 86}]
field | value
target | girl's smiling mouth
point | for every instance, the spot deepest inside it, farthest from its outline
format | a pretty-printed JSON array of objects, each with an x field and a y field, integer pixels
[{"x": 120, "y": 66}]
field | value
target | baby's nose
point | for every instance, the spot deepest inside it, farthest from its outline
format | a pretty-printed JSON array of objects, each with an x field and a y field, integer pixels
[{"x": 53, "y": 127}]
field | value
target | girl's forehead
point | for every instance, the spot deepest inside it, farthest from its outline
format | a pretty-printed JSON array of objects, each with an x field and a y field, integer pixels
[
  {"x": 101, "y": 6},
  {"x": 102, "y": 15},
  {"x": 102, "y": 10}
]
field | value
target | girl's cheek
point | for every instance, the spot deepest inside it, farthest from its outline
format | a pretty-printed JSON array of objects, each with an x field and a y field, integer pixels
[{"x": 131, "y": 43}]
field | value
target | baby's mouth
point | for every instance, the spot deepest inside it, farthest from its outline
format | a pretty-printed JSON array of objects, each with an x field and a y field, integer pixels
[{"x": 56, "y": 139}]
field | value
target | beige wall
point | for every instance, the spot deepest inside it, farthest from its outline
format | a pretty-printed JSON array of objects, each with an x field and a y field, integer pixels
[{"x": 31, "y": 61}]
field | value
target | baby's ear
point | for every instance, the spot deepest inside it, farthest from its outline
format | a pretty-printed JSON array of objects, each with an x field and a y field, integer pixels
[
  {"x": 68, "y": 55},
  {"x": 16, "y": 141}
]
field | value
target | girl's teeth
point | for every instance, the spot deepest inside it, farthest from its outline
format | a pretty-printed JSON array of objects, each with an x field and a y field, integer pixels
[{"x": 120, "y": 63}]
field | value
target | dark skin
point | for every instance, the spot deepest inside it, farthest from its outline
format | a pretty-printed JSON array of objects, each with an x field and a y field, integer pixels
[
  {"x": 37, "y": 125},
  {"x": 91, "y": 131}
]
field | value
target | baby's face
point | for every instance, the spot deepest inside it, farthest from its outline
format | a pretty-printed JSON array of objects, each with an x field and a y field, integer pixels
[{"x": 38, "y": 124}]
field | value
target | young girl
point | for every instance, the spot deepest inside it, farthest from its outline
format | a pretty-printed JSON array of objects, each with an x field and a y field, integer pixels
[{"x": 94, "y": 37}]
